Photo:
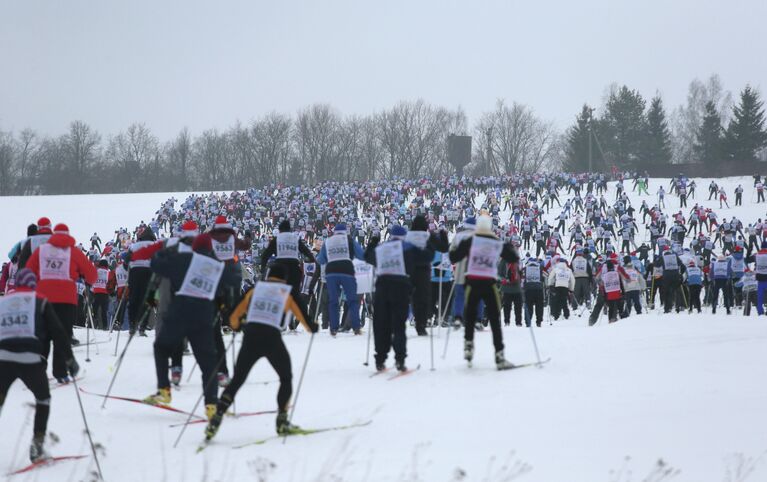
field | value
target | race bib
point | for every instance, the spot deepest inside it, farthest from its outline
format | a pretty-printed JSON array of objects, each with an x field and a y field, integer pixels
[
  {"x": 224, "y": 251},
  {"x": 417, "y": 238},
  {"x": 17, "y": 316},
  {"x": 54, "y": 262},
  {"x": 390, "y": 259},
  {"x": 483, "y": 257},
  {"x": 101, "y": 279},
  {"x": 612, "y": 281},
  {"x": 202, "y": 277},
  {"x": 121, "y": 276},
  {"x": 580, "y": 266},
  {"x": 363, "y": 272},
  {"x": 562, "y": 276},
  {"x": 337, "y": 248},
  {"x": 287, "y": 246},
  {"x": 267, "y": 304}
]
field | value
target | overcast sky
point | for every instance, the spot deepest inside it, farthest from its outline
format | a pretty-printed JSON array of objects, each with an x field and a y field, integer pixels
[{"x": 207, "y": 64}]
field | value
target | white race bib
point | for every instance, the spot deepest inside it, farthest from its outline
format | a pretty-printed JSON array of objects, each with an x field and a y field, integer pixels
[
  {"x": 483, "y": 257},
  {"x": 287, "y": 246},
  {"x": 224, "y": 251},
  {"x": 267, "y": 304},
  {"x": 17, "y": 316},
  {"x": 417, "y": 238},
  {"x": 102, "y": 276},
  {"x": 54, "y": 262},
  {"x": 202, "y": 277},
  {"x": 612, "y": 281},
  {"x": 390, "y": 259},
  {"x": 580, "y": 266},
  {"x": 337, "y": 248},
  {"x": 363, "y": 272},
  {"x": 121, "y": 276}
]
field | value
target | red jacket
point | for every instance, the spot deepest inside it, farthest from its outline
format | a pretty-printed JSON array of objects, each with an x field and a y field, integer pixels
[{"x": 62, "y": 290}]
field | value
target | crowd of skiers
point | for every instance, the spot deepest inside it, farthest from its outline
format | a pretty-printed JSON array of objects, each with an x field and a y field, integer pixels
[{"x": 457, "y": 252}]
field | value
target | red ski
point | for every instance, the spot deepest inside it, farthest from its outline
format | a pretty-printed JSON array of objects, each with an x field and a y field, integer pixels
[
  {"x": 243, "y": 414},
  {"x": 405, "y": 373},
  {"x": 136, "y": 400},
  {"x": 45, "y": 463}
]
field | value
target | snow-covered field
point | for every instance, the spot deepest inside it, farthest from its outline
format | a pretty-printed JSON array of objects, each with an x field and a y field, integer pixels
[{"x": 613, "y": 401}]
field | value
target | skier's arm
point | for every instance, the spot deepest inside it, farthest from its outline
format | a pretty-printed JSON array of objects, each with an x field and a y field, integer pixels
[{"x": 304, "y": 249}]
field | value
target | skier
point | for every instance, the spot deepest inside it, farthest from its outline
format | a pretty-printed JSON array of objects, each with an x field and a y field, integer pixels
[
  {"x": 395, "y": 261},
  {"x": 28, "y": 320},
  {"x": 58, "y": 264},
  {"x": 260, "y": 315},
  {"x": 200, "y": 284},
  {"x": 482, "y": 251},
  {"x": 562, "y": 283}
]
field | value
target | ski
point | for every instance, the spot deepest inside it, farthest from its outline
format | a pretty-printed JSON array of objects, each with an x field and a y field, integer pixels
[
  {"x": 136, "y": 400},
  {"x": 377, "y": 372},
  {"x": 54, "y": 385},
  {"x": 244, "y": 414},
  {"x": 405, "y": 373},
  {"x": 45, "y": 463},
  {"x": 305, "y": 432},
  {"x": 523, "y": 365}
]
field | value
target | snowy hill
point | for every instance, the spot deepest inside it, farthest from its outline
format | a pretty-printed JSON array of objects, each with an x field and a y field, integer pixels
[{"x": 613, "y": 401}]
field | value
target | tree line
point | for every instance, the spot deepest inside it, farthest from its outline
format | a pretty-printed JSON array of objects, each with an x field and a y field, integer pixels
[{"x": 408, "y": 140}]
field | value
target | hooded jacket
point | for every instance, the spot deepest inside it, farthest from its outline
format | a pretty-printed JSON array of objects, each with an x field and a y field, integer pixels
[{"x": 60, "y": 290}]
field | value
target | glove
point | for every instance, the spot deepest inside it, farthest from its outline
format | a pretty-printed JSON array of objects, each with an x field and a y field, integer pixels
[
  {"x": 73, "y": 367},
  {"x": 314, "y": 327}
]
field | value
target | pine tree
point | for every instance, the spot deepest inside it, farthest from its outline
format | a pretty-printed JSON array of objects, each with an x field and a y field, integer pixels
[
  {"x": 657, "y": 148},
  {"x": 709, "y": 144},
  {"x": 624, "y": 127},
  {"x": 746, "y": 134},
  {"x": 577, "y": 153}
]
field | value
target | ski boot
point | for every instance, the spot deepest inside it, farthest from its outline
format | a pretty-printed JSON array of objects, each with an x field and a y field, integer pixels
[
  {"x": 210, "y": 411},
  {"x": 37, "y": 451},
  {"x": 500, "y": 361},
  {"x": 380, "y": 366},
  {"x": 175, "y": 375},
  {"x": 64, "y": 380},
  {"x": 421, "y": 331},
  {"x": 357, "y": 331},
  {"x": 284, "y": 427},
  {"x": 400, "y": 364},
  {"x": 478, "y": 326},
  {"x": 162, "y": 397},
  {"x": 468, "y": 351},
  {"x": 457, "y": 323},
  {"x": 214, "y": 422},
  {"x": 142, "y": 333},
  {"x": 223, "y": 379}
]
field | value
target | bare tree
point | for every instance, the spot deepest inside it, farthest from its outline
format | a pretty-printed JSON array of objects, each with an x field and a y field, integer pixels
[
  {"x": 81, "y": 148},
  {"x": 133, "y": 151},
  {"x": 7, "y": 163},
  {"x": 511, "y": 139},
  {"x": 687, "y": 119},
  {"x": 316, "y": 137},
  {"x": 179, "y": 152}
]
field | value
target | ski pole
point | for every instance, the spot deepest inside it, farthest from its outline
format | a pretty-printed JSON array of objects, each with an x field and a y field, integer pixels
[
  {"x": 120, "y": 360},
  {"x": 93, "y": 324},
  {"x": 300, "y": 382},
  {"x": 370, "y": 334},
  {"x": 191, "y": 372},
  {"x": 234, "y": 361},
  {"x": 87, "y": 335},
  {"x": 117, "y": 312},
  {"x": 87, "y": 430},
  {"x": 211, "y": 378},
  {"x": 447, "y": 338}
]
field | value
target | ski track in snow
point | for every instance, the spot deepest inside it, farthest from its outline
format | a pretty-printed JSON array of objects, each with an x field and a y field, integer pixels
[{"x": 687, "y": 389}]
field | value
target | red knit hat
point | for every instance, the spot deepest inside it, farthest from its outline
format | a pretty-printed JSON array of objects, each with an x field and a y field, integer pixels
[
  {"x": 222, "y": 223},
  {"x": 188, "y": 230},
  {"x": 202, "y": 243},
  {"x": 43, "y": 223},
  {"x": 61, "y": 228}
]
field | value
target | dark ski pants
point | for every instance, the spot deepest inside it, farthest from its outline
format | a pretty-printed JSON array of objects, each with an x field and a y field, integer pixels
[
  {"x": 487, "y": 291},
  {"x": 632, "y": 300},
  {"x": 421, "y": 279},
  {"x": 559, "y": 304},
  {"x": 200, "y": 336},
  {"x": 34, "y": 377},
  {"x": 218, "y": 339},
  {"x": 66, "y": 314},
  {"x": 138, "y": 280},
  {"x": 723, "y": 286},
  {"x": 258, "y": 341},
  {"x": 390, "y": 310},
  {"x": 100, "y": 307},
  {"x": 510, "y": 299},
  {"x": 534, "y": 303},
  {"x": 694, "y": 297}
]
